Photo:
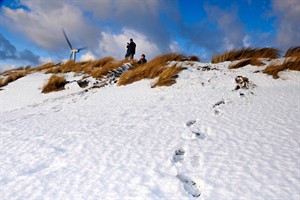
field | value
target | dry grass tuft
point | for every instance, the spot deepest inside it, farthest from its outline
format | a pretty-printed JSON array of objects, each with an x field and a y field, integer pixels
[
  {"x": 150, "y": 69},
  {"x": 2, "y": 82},
  {"x": 243, "y": 63},
  {"x": 232, "y": 55},
  {"x": 293, "y": 52},
  {"x": 194, "y": 58},
  {"x": 63, "y": 67},
  {"x": 27, "y": 68},
  {"x": 168, "y": 76},
  {"x": 91, "y": 66},
  {"x": 12, "y": 77},
  {"x": 288, "y": 64},
  {"x": 55, "y": 83},
  {"x": 43, "y": 67},
  {"x": 10, "y": 71},
  {"x": 104, "y": 67}
]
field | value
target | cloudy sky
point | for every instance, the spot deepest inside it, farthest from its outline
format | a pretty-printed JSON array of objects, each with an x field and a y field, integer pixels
[{"x": 31, "y": 30}]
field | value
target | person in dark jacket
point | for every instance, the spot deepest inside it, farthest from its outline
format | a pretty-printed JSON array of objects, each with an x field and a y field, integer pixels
[
  {"x": 142, "y": 59},
  {"x": 130, "y": 49}
]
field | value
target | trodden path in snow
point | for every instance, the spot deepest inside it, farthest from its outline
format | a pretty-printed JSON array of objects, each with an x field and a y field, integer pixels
[{"x": 174, "y": 142}]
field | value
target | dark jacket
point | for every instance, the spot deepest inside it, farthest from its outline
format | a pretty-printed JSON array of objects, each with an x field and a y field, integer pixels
[
  {"x": 142, "y": 61},
  {"x": 131, "y": 48}
]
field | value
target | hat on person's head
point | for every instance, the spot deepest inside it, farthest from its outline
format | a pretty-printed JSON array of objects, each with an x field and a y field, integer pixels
[
  {"x": 131, "y": 39},
  {"x": 143, "y": 55}
]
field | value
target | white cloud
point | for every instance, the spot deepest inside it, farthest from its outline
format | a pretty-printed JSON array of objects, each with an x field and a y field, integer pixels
[
  {"x": 227, "y": 44},
  {"x": 230, "y": 28},
  {"x": 43, "y": 20},
  {"x": 246, "y": 41},
  {"x": 116, "y": 9},
  {"x": 287, "y": 23},
  {"x": 174, "y": 46},
  {"x": 43, "y": 60},
  {"x": 87, "y": 56}
]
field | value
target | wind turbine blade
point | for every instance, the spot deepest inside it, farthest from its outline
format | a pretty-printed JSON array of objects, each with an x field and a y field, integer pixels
[
  {"x": 71, "y": 55},
  {"x": 82, "y": 48},
  {"x": 74, "y": 57},
  {"x": 67, "y": 39}
]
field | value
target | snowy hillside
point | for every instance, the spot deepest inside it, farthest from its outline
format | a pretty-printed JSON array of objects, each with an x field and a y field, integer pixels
[{"x": 197, "y": 139}]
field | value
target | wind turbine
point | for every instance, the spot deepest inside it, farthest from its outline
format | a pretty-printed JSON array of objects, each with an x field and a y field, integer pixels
[{"x": 73, "y": 51}]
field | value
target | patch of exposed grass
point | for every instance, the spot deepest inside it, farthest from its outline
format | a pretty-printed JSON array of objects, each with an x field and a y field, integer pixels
[
  {"x": 43, "y": 67},
  {"x": 293, "y": 52},
  {"x": 103, "y": 69},
  {"x": 10, "y": 71},
  {"x": 55, "y": 83},
  {"x": 288, "y": 64},
  {"x": 150, "y": 69},
  {"x": 193, "y": 58},
  {"x": 243, "y": 63},
  {"x": 1, "y": 82},
  {"x": 97, "y": 68},
  {"x": 246, "y": 53},
  {"x": 168, "y": 76},
  {"x": 12, "y": 77}
]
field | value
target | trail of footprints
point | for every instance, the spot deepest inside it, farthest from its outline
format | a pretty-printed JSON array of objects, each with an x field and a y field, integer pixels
[{"x": 190, "y": 186}]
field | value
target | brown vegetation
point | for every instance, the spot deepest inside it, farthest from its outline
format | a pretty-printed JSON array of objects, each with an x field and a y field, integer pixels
[
  {"x": 249, "y": 61},
  {"x": 167, "y": 77},
  {"x": 288, "y": 64},
  {"x": 150, "y": 69},
  {"x": 193, "y": 58},
  {"x": 55, "y": 83},
  {"x": 1, "y": 81},
  {"x": 97, "y": 68},
  {"x": 12, "y": 77},
  {"x": 232, "y": 55},
  {"x": 293, "y": 52},
  {"x": 104, "y": 67},
  {"x": 43, "y": 67}
]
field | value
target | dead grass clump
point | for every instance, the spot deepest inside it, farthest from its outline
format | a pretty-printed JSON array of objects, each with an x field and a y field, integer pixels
[
  {"x": 55, "y": 83},
  {"x": 293, "y": 52},
  {"x": 246, "y": 53},
  {"x": 10, "y": 71},
  {"x": 12, "y": 77},
  {"x": 43, "y": 67},
  {"x": 168, "y": 76},
  {"x": 27, "y": 68},
  {"x": 103, "y": 68},
  {"x": 90, "y": 66},
  {"x": 1, "y": 82},
  {"x": 101, "y": 62},
  {"x": 6, "y": 72},
  {"x": 193, "y": 58},
  {"x": 69, "y": 66},
  {"x": 243, "y": 63},
  {"x": 288, "y": 64},
  {"x": 150, "y": 69}
]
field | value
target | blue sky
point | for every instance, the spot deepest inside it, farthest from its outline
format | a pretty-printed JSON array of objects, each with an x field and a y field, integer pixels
[{"x": 31, "y": 30}]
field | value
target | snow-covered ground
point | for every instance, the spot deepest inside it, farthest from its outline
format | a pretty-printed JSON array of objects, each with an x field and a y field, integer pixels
[{"x": 197, "y": 139}]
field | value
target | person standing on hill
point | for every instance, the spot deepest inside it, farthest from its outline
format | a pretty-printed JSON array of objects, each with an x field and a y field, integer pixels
[{"x": 130, "y": 49}]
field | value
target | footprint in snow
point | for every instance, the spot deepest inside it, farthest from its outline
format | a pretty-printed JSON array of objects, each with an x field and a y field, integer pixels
[
  {"x": 189, "y": 185},
  {"x": 195, "y": 130},
  {"x": 178, "y": 155},
  {"x": 190, "y": 123},
  {"x": 217, "y": 106}
]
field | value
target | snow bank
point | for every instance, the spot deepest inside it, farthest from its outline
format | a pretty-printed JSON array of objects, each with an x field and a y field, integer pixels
[{"x": 199, "y": 138}]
